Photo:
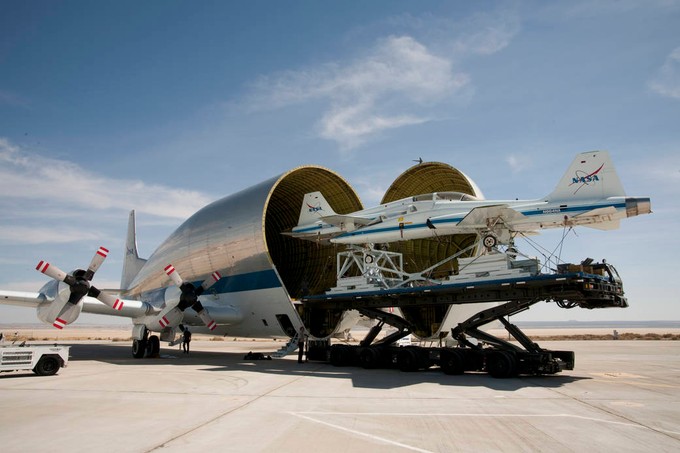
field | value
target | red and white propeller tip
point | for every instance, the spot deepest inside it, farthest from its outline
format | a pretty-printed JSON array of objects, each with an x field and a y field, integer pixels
[
  {"x": 173, "y": 274},
  {"x": 98, "y": 259},
  {"x": 51, "y": 271},
  {"x": 208, "y": 282},
  {"x": 111, "y": 301}
]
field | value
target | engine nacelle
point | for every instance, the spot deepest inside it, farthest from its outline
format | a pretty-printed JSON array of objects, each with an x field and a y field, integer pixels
[{"x": 57, "y": 294}]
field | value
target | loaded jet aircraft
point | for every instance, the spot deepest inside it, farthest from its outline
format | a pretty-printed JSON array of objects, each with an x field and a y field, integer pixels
[{"x": 589, "y": 194}]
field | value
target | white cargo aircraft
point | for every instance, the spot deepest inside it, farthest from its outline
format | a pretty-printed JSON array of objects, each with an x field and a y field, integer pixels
[{"x": 589, "y": 194}]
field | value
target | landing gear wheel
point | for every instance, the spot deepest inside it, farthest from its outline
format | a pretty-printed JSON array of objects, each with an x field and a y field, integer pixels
[
  {"x": 501, "y": 364},
  {"x": 452, "y": 362},
  {"x": 153, "y": 346},
  {"x": 489, "y": 241},
  {"x": 46, "y": 366},
  {"x": 138, "y": 348}
]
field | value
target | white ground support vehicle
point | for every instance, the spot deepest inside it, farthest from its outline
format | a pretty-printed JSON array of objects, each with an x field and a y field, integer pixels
[{"x": 44, "y": 360}]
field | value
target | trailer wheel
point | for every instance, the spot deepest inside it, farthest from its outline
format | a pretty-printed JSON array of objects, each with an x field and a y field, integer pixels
[
  {"x": 369, "y": 358},
  {"x": 501, "y": 364},
  {"x": 138, "y": 348},
  {"x": 340, "y": 355},
  {"x": 452, "y": 362},
  {"x": 46, "y": 366},
  {"x": 407, "y": 359}
]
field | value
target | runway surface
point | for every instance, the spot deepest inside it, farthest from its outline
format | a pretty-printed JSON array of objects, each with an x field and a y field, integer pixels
[{"x": 623, "y": 396}]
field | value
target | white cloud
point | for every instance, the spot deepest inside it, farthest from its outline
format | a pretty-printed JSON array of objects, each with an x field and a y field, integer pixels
[
  {"x": 398, "y": 82},
  {"x": 667, "y": 80},
  {"x": 44, "y": 235},
  {"x": 368, "y": 95},
  {"x": 34, "y": 178}
]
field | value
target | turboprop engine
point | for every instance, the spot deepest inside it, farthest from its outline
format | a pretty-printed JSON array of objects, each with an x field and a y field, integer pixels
[{"x": 64, "y": 296}]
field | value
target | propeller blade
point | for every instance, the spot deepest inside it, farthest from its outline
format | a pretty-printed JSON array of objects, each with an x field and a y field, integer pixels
[
  {"x": 204, "y": 315},
  {"x": 107, "y": 299},
  {"x": 173, "y": 274},
  {"x": 207, "y": 320},
  {"x": 97, "y": 261},
  {"x": 67, "y": 315},
  {"x": 51, "y": 271},
  {"x": 170, "y": 318},
  {"x": 208, "y": 282}
]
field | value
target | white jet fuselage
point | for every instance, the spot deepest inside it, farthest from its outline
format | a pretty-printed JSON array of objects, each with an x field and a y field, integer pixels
[
  {"x": 437, "y": 218},
  {"x": 590, "y": 194}
]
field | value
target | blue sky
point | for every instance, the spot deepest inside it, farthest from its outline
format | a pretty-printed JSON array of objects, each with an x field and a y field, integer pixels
[{"x": 164, "y": 106}]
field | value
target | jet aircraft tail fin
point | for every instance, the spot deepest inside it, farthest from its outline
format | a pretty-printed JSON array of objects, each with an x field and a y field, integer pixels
[
  {"x": 133, "y": 263},
  {"x": 590, "y": 175},
  {"x": 314, "y": 207}
]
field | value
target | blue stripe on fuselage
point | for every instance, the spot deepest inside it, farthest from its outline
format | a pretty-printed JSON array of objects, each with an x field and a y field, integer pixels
[
  {"x": 247, "y": 282},
  {"x": 250, "y": 281},
  {"x": 455, "y": 220}
]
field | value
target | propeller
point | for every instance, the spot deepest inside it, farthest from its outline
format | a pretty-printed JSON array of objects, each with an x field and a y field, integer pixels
[
  {"x": 188, "y": 299},
  {"x": 79, "y": 286}
]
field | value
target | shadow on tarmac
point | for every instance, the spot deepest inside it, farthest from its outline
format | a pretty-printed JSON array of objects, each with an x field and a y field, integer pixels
[{"x": 221, "y": 361}]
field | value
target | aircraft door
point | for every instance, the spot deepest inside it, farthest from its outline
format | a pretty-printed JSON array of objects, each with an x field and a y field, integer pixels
[{"x": 286, "y": 325}]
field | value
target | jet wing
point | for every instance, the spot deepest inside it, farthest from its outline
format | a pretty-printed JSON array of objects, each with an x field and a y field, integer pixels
[
  {"x": 339, "y": 219},
  {"x": 485, "y": 216}
]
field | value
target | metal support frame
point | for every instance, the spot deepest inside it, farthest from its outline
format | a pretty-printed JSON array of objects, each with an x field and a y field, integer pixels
[
  {"x": 471, "y": 326},
  {"x": 404, "y": 328}
]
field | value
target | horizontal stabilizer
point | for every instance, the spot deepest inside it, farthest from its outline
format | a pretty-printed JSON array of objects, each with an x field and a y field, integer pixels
[
  {"x": 600, "y": 218},
  {"x": 605, "y": 226},
  {"x": 609, "y": 210}
]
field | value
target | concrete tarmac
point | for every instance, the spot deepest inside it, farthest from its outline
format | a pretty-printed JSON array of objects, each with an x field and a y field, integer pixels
[{"x": 623, "y": 396}]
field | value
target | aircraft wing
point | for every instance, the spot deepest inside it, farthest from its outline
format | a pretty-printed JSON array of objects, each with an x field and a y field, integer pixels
[
  {"x": 131, "y": 308},
  {"x": 339, "y": 219},
  {"x": 485, "y": 216},
  {"x": 21, "y": 299}
]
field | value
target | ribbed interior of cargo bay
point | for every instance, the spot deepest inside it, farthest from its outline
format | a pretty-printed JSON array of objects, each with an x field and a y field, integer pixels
[{"x": 305, "y": 267}]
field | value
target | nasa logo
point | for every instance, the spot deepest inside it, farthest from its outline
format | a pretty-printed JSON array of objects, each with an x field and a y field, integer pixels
[
  {"x": 583, "y": 178},
  {"x": 314, "y": 208}
]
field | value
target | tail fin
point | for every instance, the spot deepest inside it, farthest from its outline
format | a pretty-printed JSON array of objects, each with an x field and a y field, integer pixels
[
  {"x": 314, "y": 206},
  {"x": 590, "y": 175},
  {"x": 133, "y": 263}
]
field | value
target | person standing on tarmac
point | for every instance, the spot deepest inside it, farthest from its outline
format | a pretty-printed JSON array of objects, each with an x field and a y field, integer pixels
[
  {"x": 186, "y": 340},
  {"x": 301, "y": 343}
]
